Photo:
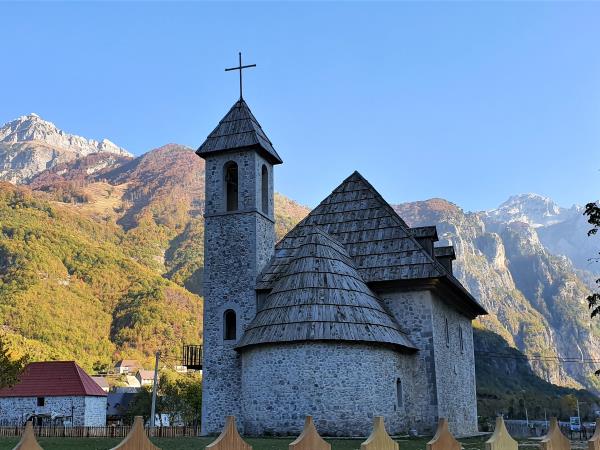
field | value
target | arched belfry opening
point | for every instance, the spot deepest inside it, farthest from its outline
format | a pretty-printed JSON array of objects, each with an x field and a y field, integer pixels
[
  {"x": 231, "y": 186},
  {"x": 229, "y": 325},
  {"x": 264, "y": 177}
]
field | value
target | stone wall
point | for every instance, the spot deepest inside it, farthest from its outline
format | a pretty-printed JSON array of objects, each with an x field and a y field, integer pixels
[
  {"x": 237, "y": 246},
  {"x": 445, "y": 371},
  {"x": 342, "y": 385},
  {"x": 455, "y": 367},
  {"x": 86, "y": 411},
  {"x": 413, "y": 312},
  {"x": 95, "y": 411}
]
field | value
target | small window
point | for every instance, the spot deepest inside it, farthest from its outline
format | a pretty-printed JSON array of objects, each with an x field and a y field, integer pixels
[
  {"x": 399, "y": 399},
  {"x": 460, "y": 337},
  {"x": 447, "y": 333},
  {"x": 230, "y": 323},
  {"x": 231, "y": 186},
  {"x": 265, "y": 189},
  {"x": 41, "y": 401}
]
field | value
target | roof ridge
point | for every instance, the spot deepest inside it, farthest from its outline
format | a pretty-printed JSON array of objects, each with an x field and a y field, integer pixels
[{"x": 79, "y": 378}]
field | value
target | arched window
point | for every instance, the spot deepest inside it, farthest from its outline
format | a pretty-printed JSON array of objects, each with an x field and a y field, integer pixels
[
  {"x": 229, "y": 325},
  {"x": 265, "y": 189},
  {"x": 399, "y": 399},
  {"x": 231, "y": 186}
]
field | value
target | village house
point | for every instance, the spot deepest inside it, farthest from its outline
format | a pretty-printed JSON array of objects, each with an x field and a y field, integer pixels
[
  {"x": 54, "y": 393},
  {"x": 127, "y": 366},
  {"x": 117, "y": 407},
  {"x": 145, "y": 377}
]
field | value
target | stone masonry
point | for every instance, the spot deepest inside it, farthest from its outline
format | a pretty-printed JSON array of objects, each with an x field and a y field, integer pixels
[
  {"x": 445, "y": 371},
  {"x": 86, "y": 411},
  {"x": 237, "y": 245},
  {"x": 341, "y": 385}
]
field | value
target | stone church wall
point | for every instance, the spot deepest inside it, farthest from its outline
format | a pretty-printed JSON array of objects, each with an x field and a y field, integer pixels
[
  {"x": 413, "y": 311},
  {"x": 341, "y": 385},
  {"x": 455, "y": 368}
]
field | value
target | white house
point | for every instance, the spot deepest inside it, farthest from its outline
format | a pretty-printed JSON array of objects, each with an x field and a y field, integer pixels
[
  {"x": 54, "y": 393},
  {"x": 145, "y": 377},
  {"x": 126, "y": 366}
]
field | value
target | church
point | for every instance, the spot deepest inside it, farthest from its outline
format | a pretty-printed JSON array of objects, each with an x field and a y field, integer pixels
[{"x": 353, "y": 314}]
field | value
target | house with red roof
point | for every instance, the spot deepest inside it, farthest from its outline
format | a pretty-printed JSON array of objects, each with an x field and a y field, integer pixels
[{"x": 54, "y": 393}]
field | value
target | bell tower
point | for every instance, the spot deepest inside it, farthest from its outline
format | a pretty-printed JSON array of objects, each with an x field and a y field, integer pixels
[{"x": 239, "y": 239}]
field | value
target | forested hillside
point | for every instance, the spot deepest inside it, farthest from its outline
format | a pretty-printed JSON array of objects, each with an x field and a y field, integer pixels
[
  {"x": 107, "y": 263},
  {"x": 71, "y": 287}
]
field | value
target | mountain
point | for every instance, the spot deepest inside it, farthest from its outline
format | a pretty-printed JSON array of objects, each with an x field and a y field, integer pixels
[
  {"x": 533, "y": 209},
  {"x": 563, "y": 231},
  {"x": 535, "y": 297},
  {"x": 29, "y": 145},
  {"x": 106, "y": 242}
]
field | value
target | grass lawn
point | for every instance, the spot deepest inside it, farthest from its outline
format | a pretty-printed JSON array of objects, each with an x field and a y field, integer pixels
[{"x": 257, "y": 444}]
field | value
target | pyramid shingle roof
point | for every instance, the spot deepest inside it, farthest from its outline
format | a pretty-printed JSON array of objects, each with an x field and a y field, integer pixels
[
  {"x": 239, "y": 129},
  {"x": 321, "y": 297},
  {"x": 380, "y": 243}
]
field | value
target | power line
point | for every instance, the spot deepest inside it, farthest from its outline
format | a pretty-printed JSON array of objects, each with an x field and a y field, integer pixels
[{"x": 499, "y": 355}]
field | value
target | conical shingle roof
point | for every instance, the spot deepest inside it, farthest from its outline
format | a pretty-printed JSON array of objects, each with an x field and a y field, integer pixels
[
  {"x": 321, "y": 297},
  {"x": 239, "y": 129}
]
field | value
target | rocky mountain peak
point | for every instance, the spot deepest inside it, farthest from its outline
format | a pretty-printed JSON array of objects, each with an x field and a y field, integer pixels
[
  {"x": 33, "y": 128},
  {"x": 533, "y": 209},
  {"x": 29, "y": 145}
]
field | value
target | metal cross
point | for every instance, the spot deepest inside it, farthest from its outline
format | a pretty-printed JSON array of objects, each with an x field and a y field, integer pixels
[{"x": 240, "y": 68}]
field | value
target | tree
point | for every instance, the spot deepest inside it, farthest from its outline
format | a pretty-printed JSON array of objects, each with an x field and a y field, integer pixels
[
  {"x": 10, "y": 368},
  {"x": 592, "y": 210},
  {"x": 179, "y": 396}
]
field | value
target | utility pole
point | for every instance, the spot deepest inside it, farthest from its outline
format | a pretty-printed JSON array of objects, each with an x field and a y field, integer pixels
[
  {"x": 154, "y": 387},
  {"x": 526, "y": 417}
]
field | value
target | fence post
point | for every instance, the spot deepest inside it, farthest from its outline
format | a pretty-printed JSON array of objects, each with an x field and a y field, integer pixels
[
  {"x": 501, "y": 439},
  {"x": 136, "y": 439},
  {"x": 28, "y": 440},
  {"x": 379, "y": 438},
  {"x": 309, "y": 439},
  {"x": 594, "y": 442},
  {"x": 555, "y": 440},
  {"x": 229, "y": 439},
  {"x": 443, "y": 439}
]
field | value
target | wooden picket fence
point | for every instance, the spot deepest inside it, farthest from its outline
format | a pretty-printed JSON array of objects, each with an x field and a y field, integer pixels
[
  {"x": 120, "y": 431},
  {"x": 379, "y": 439}
]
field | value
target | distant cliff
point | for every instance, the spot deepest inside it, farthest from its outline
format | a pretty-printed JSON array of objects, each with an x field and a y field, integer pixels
[{"x": 29, "y": 145}]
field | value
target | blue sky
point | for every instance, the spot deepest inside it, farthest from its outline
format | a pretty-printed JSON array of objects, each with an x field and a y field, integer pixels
[{"x": 471, "y": 102}]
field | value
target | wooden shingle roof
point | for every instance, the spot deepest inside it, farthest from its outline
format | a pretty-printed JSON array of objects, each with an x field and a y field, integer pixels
[
  {"x": 382, "y": 246},
  {"x": 376, "y": 238},
  {"x": 239, "y": 129},
  {"x": 53, "y": 379},
  {"x": 321, "y": 297}
]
